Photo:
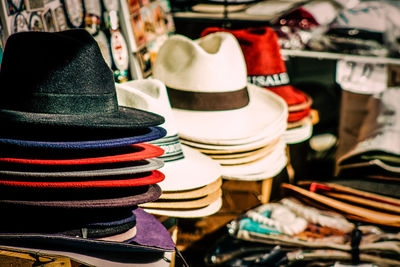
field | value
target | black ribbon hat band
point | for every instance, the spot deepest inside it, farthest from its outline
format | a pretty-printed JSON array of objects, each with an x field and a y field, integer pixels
[{"x": 208, "y": 101}]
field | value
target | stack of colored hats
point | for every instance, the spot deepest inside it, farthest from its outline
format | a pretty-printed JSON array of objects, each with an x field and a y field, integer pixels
[
  {"x": 192, "y": 184},
  {"x": 73, "y": 164},
  {"x": 217, "y": 111},
  {"x": 266, "y": 68}
]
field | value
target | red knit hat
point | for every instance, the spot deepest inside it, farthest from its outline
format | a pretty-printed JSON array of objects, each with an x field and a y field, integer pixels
[{"x": 266, "y": 68}]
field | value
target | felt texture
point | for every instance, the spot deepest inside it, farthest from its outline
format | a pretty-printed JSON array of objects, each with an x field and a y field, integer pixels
[
  {"x": 150, "y": 231},
  {"x": 262, "y": 54},
  {"x": 298, "y": 115},
  {"x": 151, "y": 236},
  {"x": 137, "y": 179},
  {"x": 66, "y": 83},
  {"x": 21, "y": 219},
  {"x": 96, "y": 232},
  {"x": 77, "y": 172},
  {"x": 140, "y": 254},
  {"x": 120, "y": 154},
  {"x": 152, "y": 133},
  {"x": 301, "y": 106},
  {"x": 131, "y": 218},
  {"x": 86, "y": 198}
]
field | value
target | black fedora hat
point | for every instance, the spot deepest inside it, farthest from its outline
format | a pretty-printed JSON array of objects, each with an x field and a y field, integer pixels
[{"x": 60, "y": 80}]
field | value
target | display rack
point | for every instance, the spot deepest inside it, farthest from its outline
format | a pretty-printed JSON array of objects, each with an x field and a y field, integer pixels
[{"x": 339, "y": 56}]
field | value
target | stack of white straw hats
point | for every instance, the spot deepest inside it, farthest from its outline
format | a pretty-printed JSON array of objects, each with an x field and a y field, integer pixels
[{"x": 238, "y": 124}]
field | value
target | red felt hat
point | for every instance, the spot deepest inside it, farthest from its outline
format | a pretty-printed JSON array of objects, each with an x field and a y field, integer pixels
[
  {"x": 120, "y": 154},
  {"x": 299, "y": 115},
  {"x": 265, "y": 66},
  {"x": 139, "y": 179}
]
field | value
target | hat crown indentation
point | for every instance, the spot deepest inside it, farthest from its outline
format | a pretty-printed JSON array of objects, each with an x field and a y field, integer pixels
[
  {"x": 188, "y": 65},
  {"x": 57, "y": 69}
]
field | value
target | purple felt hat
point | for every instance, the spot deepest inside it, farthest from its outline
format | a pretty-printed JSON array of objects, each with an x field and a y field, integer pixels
[
  {"x": 147, "y": 224},
  {"x": 151, "y": 235},
  {"x": 87, "y": 223}
]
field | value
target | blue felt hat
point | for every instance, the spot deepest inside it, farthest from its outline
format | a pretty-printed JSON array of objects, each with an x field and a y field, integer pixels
[{"x": 145, "y": 135}]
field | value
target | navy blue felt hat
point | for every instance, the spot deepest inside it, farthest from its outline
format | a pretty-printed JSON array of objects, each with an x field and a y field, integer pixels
[
  {"x": 59, "y": 143},
  {"x": 53, "y": 80},
  {"x": 87, "y": 223}
]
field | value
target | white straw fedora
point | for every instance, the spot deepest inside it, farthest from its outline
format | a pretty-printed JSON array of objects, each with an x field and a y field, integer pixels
[
  {"x": 300, "y": 133},
  {"x": 275, "y": 169},
  {"x": 249, "y": 156},
  {"x": 211, "y": 99},
  {"x": 193, "y": 193},
  {"x": 220, "y": 154},
  {"x": 184, "y": 167},
  {"x": 188, "y": 213},
  {"x": 270, "y": 165},
  {"x": 218, "y": 149},
  {"x": 193, "y": 171},
  {"x": 184, "y": 203}
]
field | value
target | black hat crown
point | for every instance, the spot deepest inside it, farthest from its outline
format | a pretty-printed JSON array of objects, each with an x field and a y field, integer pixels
[
  {"x": 60, "y": 79},
  {"x": 61, "y": 72}
]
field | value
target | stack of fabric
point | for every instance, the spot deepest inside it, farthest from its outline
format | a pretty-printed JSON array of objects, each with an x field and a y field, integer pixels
[
  {"x": 74, "y": 165},
  {"x": 373, "y": 149},
  {"x": 192, "y": 184},
  {"x": 217, "y": 111},
  {"x": 353, "y": 199},
  {"x": 292, "y": 232},
  {"x": 266, "y": 68}
]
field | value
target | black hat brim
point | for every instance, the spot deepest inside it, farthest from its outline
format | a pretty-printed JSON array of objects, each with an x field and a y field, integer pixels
[
  {"x": 126, "y": 122},
  {"x": 125, "y": 118}
]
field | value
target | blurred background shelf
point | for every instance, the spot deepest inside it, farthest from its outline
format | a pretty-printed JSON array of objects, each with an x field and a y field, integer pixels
[{"x": 339, "y": 56}]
